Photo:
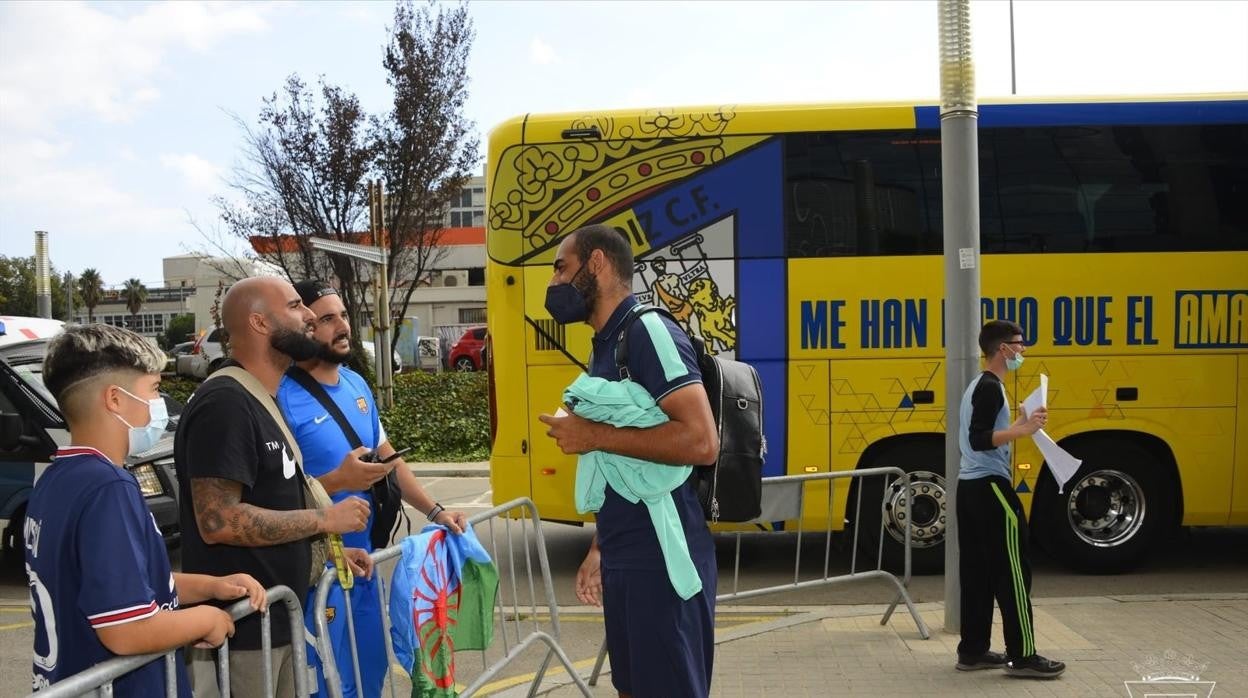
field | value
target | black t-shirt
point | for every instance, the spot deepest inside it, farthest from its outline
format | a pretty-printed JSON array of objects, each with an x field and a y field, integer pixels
[{"x": 224, "y": 433}]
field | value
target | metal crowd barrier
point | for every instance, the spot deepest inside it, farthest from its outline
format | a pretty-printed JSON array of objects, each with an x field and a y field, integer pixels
[
  {"x": 98, "y": 680},
  {"x": 510, "y": 615},
  {"x": 784, "y": 499}
]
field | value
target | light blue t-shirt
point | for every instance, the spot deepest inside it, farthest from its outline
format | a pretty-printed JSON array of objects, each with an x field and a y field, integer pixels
[
  {"x": 984, "y": 409},
  {"x": 321, "y": 439}
]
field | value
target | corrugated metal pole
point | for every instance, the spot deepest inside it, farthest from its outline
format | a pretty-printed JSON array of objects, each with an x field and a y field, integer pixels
[
  {"x": 43, "y": 280},
  {"x": 959, "y": 156}
]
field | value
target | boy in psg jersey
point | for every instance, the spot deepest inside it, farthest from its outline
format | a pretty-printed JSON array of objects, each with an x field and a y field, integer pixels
[{"x": 100, "y": 579}]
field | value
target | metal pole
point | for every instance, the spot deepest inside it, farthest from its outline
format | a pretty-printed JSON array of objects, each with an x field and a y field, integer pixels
[
  {"x": 69, "y": 297},
  {"x": 43, "y": 281},
  {"x": 1013, "y": 73},
  {"x": 959, "y": 155},
  {"x": 385, "y": 371}
]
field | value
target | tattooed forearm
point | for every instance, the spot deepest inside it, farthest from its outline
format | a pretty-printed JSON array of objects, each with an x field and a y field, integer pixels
[{"x": 224, "y": 518}]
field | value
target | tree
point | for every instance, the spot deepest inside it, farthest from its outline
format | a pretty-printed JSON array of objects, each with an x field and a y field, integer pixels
[
  {"x": 180, "y": 327},
  {"x": 17, "y": 288},
  {"x": 91, "y": 290},
  {"x": 426, "y": 146},
  {"x": 135, "y": 295},
  {"x": 311, "y": 153}
]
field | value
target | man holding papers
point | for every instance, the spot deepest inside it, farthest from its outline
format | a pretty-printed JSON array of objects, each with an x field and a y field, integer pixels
[{"x": 992, "y": 528}]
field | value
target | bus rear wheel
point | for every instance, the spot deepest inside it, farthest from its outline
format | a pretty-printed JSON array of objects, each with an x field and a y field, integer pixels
[
  {"x": 923, "y": 506},
  {"x": 1110, "y": 514}
]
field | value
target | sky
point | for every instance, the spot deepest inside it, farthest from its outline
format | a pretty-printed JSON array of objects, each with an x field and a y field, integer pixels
[{"x": 117, "y": 120}]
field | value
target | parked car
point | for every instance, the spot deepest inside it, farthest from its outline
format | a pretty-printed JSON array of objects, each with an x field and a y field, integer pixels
[
  {"x": 468, "y": 352},
  {"x": 203, "y": 358},
  {"x": 32, "y": 428}
]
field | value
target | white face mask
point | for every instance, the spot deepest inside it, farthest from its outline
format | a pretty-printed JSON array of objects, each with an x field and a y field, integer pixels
[
  {"x": 1013, "y": 363},
  {"x": 145, "y": 437}
]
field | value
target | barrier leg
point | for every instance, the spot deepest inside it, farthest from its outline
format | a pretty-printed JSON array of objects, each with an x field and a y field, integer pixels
[
  {"x": 355, "y": 649},
  {"x": 602, "y": 657}
]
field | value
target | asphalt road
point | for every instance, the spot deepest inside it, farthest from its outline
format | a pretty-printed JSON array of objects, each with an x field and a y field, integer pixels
[{"x": 1192, "y": 561}]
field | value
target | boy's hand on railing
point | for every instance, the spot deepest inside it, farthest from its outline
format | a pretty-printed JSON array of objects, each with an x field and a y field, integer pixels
[
  {"x": 221, "y": 627},
  {"x": 236, "y": 586}
]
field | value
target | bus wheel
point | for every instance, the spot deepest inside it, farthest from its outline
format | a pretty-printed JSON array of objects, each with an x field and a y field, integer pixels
[
  {"x": 923, "y": 506},
  {"x": 1110, "y": 514}
]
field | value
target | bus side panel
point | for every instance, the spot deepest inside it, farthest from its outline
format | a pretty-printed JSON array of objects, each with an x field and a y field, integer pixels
[
  {"x": 553, "y": 474},
  {"x": 509, "y": 462},
  {"x": 1239, "y": 497}
]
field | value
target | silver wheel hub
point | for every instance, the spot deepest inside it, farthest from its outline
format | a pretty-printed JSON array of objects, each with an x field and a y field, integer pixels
[
  {"x": 1106, "y": 508},
  {"x": 923, "y": 506}
]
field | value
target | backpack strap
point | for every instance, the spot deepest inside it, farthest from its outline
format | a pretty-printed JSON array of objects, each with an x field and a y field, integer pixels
[
  {"x": 621, "y": 344},
  {"x": 316, "y": 390}
]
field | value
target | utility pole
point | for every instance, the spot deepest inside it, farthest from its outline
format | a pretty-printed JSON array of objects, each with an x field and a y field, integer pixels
[
  {"x": 69, "y": 297},
  {"x": 959, "y": 159},
  {"x": 381, "y": 341},
  {"x": 1013, "y": 72}
]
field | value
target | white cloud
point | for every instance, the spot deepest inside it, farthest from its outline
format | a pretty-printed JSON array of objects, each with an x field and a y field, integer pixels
[
  {"x": 542, "y": 53},
  {"x": 60, "y": 59},
  {"x": 199, "y": 173}
]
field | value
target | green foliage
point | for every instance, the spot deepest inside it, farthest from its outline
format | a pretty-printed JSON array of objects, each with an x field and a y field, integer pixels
[
  {"x": 17, "y": 288},
  {"x": 179, "y": 388},
  {"x": 180, "y": 326},
  {"x": 443, "y": 417}
]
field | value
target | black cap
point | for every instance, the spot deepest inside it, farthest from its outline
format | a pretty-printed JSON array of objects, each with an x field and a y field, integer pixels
[{"x": 311, "y": 291}]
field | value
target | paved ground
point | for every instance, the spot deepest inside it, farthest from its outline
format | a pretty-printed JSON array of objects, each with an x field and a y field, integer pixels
[{"x": 843, "y": 651}]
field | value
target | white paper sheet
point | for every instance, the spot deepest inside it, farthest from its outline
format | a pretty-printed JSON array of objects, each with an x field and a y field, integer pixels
[
  {"x": 1061, "y": 464},
  {"x": 1038, "y": 398}
]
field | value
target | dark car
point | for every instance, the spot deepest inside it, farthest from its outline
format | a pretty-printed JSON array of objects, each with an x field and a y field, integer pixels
[
  {"x": 32, "y": 428},
  {"x": 467, "y": 353}
]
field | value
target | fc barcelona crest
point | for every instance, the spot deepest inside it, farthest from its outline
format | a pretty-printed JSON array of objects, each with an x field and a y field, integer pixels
[{"x": 362, "y": 404}]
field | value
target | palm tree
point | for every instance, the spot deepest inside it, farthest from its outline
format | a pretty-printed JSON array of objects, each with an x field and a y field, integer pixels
[
  {"x": 91, "y": 289},
  {"x": 135, "y": 294}
]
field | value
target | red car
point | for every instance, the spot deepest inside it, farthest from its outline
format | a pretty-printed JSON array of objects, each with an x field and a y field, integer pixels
[{"x": 466, "y": 353}]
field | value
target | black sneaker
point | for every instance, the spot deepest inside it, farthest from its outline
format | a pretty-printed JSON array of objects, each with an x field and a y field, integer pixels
[
  {"x": 1035, "y": 667},
  {"x": 987, "y": 660}
]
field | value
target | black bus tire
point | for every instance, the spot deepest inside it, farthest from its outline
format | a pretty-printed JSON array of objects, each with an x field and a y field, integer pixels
[
  {"x": 1111, "y": 514},
  {"x": 924, "y": 459}
]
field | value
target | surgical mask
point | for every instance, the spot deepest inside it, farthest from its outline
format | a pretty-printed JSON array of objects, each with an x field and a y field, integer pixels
[
  {"x": 145, "y": 437},
  {"x": 566, "y": 303},
  {"x": 1012, "y": 363}
]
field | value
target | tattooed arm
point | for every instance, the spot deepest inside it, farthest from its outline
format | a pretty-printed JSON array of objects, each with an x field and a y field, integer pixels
[{"x": 223, "y": 517}]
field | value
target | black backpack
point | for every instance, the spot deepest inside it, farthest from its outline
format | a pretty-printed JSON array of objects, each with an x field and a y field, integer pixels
[{"x": 732, "y": 488}]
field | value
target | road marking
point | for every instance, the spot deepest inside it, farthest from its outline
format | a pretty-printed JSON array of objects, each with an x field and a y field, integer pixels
[{"x": 15, "y": 626}]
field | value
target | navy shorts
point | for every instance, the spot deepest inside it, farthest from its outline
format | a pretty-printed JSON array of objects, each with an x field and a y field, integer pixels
[{"x": 660, "y": 645}]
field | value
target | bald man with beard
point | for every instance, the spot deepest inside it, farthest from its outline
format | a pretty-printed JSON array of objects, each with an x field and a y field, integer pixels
[{"x": 242, "y": 498}]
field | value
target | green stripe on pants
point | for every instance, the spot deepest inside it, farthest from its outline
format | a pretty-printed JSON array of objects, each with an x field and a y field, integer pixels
[{"x": 1021, "y": 602}]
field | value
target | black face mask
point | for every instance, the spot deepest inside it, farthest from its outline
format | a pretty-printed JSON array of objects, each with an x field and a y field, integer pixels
[
  {"x": 567, "y": 303},
  {"x": 295, "y": 344}
]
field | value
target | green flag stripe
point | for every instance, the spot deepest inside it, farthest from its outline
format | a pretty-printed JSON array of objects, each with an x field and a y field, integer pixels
[
  {"x": 665, "y": 347},
  {"x": 1021, "y": 601}
]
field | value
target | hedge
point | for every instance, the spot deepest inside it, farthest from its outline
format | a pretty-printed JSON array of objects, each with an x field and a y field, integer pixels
[{"x": 443, "y": 417}]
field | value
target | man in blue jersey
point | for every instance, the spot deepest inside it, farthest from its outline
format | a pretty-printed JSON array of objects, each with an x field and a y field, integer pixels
[
  {"x": 660, "y": 644},
  {"x": 100, "y": 580},
  {"x": 347, "y": 472},
  {"x": 992, "y": 528}
]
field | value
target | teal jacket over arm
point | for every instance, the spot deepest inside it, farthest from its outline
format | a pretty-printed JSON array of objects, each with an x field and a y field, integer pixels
[{"x": 627, "y": 404}]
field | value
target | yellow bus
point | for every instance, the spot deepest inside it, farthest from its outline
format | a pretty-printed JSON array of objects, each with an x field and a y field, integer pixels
[{"x": 806, "y": 240}]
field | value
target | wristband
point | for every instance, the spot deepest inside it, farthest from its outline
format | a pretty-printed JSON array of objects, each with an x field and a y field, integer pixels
[{"x": 437, "y": 509}]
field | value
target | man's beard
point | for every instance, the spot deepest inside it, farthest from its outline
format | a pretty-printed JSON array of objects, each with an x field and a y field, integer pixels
[
  {"x": 589, "y": 291},
  {"x": 295, "y": 344},
  {"x": 326, "y": 352}
]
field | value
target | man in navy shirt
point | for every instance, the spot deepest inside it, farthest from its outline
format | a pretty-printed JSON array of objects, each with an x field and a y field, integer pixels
[
  {"x": 100, "y": 580},
  {"x": 660, "y": 645}
]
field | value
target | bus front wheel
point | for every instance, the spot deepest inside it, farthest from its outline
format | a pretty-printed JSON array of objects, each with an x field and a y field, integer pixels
[
  {"x": 923, "y": 506},
  {"x": 1110, "y": 514}
]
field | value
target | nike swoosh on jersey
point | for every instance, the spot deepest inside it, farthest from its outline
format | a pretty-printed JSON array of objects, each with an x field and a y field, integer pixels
[
  {"x": 318, "y": 420},
  {"x": 288, "y": 465}
]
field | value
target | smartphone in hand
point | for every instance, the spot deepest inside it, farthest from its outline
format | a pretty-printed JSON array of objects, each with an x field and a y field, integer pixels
[{"x": 396, "y": 455}]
